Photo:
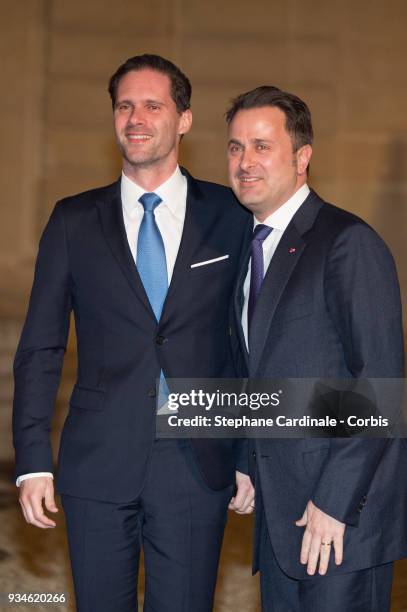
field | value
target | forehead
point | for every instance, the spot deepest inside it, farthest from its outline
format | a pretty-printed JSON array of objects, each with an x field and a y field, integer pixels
[
  {"x": 263, "y": 122},
  {"x": 145, "y": 83}
]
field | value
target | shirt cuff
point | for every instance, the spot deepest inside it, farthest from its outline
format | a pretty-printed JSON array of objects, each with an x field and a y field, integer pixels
[{"x": 33, "y": 475}]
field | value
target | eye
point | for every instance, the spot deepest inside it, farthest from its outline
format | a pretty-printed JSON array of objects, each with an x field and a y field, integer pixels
[
  {"x": 262, "y": 147},
  {"x": 153, "y": 107},
  {"x": 234, "y": 148},
  {"x": 123, "y": 107}
]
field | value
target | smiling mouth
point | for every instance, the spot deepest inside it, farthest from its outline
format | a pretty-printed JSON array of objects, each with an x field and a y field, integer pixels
[
  {"x": 248, "y": 180},
  {"x": 138, "y": 137}
]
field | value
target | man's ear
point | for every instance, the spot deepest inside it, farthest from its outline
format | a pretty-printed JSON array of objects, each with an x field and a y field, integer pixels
[
  {"x": 303, "y": 156},
  {"x": 185, "y": 122}
]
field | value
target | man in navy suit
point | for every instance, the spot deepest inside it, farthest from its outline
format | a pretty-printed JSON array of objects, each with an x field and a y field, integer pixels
[
  {"x": 317, "y": 297},
  {"x": 147, "y": 267}
]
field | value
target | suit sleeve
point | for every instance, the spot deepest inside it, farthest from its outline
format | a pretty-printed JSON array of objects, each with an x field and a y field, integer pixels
[
  {"x": 363, "y": 299},
  {"x": 39, "y": 357},
  {"x": 242, "y": 456},
  {"x": 241, "y": 446}
]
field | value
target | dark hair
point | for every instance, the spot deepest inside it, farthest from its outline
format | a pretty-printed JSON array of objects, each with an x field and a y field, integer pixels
[
  {"x": 180, "y": 86},
  {"x": 297, "y": 114}
]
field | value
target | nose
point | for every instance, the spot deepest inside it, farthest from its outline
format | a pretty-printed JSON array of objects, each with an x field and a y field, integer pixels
[
  {"x": 246, "y": 160},
  {"x": 136, "y": 117}
]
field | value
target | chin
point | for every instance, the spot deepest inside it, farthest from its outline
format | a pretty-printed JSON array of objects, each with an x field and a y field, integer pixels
[
  {"x": 136, "y": 160},
  {"x": 245, "y": 199}
]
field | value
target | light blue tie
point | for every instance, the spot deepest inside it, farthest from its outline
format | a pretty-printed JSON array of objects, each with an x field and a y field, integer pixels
[
  {"x": 152, "y": 267},
  {"x": 151, "y": 261}
]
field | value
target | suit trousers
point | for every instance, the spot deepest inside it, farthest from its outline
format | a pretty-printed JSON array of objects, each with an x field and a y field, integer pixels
[
  {"x": 176, "y": 519},
  {"x": 367, "y": 590}
]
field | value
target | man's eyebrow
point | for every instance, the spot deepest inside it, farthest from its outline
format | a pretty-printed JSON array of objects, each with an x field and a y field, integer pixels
[
  {"x": 123, "y": 102},
  {"x": 253, "y": 140},
  {"x": 148, "y": 101},
  {"x": 261, "y": 140},
  {"x": 153, "y": 102}
]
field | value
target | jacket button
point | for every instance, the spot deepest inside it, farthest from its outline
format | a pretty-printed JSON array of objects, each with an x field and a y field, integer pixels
[
  {"x": 160, "y": 340},
  {"x": 151, "y": 393}
]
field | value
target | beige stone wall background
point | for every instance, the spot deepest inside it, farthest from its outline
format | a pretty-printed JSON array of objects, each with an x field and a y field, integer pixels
[{"x": 347, "y": 60}]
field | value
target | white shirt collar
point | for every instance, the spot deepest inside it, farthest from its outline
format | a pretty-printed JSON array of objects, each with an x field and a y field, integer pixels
[
  {"x": 281, "y": 217},
  {"x": 168, "y": 191}
]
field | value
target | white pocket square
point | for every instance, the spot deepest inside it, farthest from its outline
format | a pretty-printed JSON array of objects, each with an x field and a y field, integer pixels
[{"x": 209, "y": 261}]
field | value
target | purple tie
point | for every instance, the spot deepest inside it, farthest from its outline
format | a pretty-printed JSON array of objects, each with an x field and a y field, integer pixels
[{"x": 257, "y": 268}]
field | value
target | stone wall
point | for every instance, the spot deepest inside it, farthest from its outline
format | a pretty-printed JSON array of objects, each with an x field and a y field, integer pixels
[{"x": 346, "y": 59}]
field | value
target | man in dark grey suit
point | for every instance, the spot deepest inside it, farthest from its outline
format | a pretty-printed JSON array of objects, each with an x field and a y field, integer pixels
[{"x": 317, "y": 296}]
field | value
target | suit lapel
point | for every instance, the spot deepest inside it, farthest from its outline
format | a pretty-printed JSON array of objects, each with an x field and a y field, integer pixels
[
  {"x": 197, "y": 221},
  {"x": 282, "y": 265},
  {"x": 238, "y": 296},
  {"x": 111, "y": 218}
]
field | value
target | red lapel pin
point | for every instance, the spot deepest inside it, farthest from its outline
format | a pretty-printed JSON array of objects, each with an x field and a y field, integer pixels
[{"x": 291, "y": 250}]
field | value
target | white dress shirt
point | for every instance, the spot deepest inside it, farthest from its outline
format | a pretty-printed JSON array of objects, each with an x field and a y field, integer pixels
[
  {"x": 279, "y": 221},
  {"x": 170, "y": 217},
  {"x": 169, "y": 214}
]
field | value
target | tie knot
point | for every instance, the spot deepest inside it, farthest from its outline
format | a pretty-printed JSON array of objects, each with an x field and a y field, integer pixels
[
  {"x": 261, "y": 232},
  {"x": 150, "y": 201}
]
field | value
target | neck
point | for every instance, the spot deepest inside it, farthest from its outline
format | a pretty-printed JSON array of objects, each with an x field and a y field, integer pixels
[
  {"x": 273, "y": 206},
  {"x": 149, "y": 177}
]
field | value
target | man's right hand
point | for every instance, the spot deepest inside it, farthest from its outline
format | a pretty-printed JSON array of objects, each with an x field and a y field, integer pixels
[{"x": 32, "y": 492}]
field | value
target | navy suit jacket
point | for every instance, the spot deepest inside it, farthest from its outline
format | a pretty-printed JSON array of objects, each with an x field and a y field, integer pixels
[
  {"x": 329, "y": 307},
  {"x": 85, "y": 265}
]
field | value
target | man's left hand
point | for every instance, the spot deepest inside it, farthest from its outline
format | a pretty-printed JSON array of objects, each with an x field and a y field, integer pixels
[
  {"x": 243, "y": 501},
  {"x": 321, "y": 533}
]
